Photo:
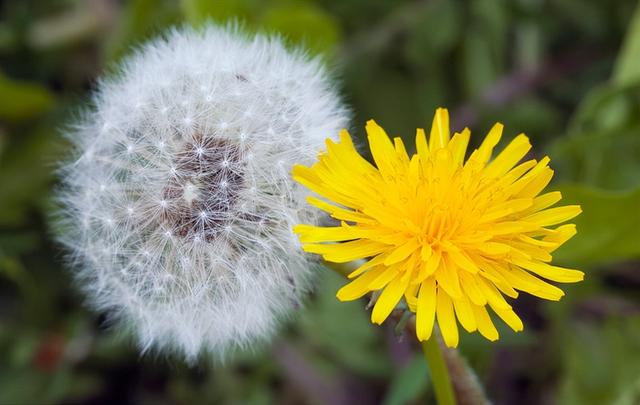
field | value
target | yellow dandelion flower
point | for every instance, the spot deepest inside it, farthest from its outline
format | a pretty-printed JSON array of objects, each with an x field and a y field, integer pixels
[{"x": 450, "y": 236}]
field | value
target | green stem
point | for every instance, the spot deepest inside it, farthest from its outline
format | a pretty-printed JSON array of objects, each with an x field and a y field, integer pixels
[
  {"x": 439, "y": 371},
  {"x": 431, "y": 348}
]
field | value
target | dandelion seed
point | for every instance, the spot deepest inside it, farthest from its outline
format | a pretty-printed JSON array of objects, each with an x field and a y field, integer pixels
[
  {"x": 205, "y": 260},
  {"x": 450, "y": 236}
]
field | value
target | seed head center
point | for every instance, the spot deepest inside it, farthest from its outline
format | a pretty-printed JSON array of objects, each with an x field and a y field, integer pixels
[
  {"x": 190, "y": 192},
  {"x": 201, "y": 194}
]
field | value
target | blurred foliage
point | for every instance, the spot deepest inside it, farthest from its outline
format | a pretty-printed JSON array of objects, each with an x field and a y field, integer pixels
[
  {"x": 566, "y": 72},
  {"x": 605, "y": 232},
  {"x": 408, "y": 383},
  {"x": 302, "y": 22},
  {"x": 585, "y": 382},
  {"x": 21, "y": 101}
]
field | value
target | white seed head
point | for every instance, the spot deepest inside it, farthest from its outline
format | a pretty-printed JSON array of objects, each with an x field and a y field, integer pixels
[{"x": 179, "y": 205}]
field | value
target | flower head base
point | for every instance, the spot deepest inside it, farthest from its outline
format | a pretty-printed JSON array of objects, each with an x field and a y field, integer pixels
[
  {"x": 179, "y": 204},
  {"x": 451, "y": 236}
]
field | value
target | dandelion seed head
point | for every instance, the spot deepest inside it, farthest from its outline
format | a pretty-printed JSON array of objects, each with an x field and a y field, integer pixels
[{"x": 183, "y": 153}]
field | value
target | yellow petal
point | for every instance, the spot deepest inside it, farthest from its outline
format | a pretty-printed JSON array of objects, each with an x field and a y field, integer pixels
[
  {"x": 464, "y": 313},
  {"x": 426, "y": 311},
  {"x": 544, "y": 201},
  {"x": 411, "y": 296},
  {"x": 485, "y": 325},
  {"x": 382, "y": 149},
  {"x": 462, "y": 261},
  {"x": 347, "y": 251},
  {"x": 430, "y": 266},
  {"x": 492, "y": 271},
  {"x": 308, "y": 178},
  {"x": 470, "y": 287},
  {"x": 494, "y": 248},
  {"x": 388, "y": 300},
  {"x": 402, "y": 252},
  {"x": 553, "y": 273},
  {"x": 368, "y": 264},
  {"x": 509, "y": 157},
  {"x": 509, "y": 227},
  {"x": 422, "y": 148},
  {"x": 401, "y": 151},
  {"x": 443, "y": 168},
  {"x": 439, "y": 136},
  {"x": 446, "y": 319},
  {"x": 527, "y": 282},
  {"x": 539, "y": 171},
  {"x": 561, "y": 235},
  {"x": 360, "y": 286},
  {"x": 494, "y": 297},
  {"x": 507, "y": 208},
  {"x": 447, "y": 278},
  {"x": 535, "y": 185},
  {"x": 313, "y": 234},
  {"x": 509, "y": 317},
  {"x": 345, "y": 151},
  {"x": 458, "y": 146},
  {"x": 340, "y": 213},
  {"x": 526, "y": 251},
  {"x": 500, "y": 282},
  {"x": 426, "y": 251},
  {"x": 538, "y": 242},
  {"x": 385, "y": 278},
  {"x": 553, "y": 216},
  {"x": 483, "y": 153}
]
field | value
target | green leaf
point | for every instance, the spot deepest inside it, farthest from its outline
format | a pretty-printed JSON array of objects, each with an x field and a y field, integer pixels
[
  {"x": 607, "y": 160},
  {"x": 603, "y": 145},
  {"x": 397, "y": 117},
  {"x": 435, "y": 34},
  {"x": 491, "y": 19},
  {"x": 409, "y": 383},
  {"x": 21, "y": 100},
  {"x": 16, "y": 243},
  {"x": 606, "y": 108},
  {"x": 627, "y": 69},
  {"x": 607, "y": 228},
  {"x": 140, "y": 20},
  {"x": 343, "y": 329},
  {"x": 602, "y": 363},
  {"x": 531, "y": 115},
  {"x": 26, "y": 173},
  {"x": 478, "y": 67},
  {"x": 304, "y": 23},
  {"x": 198, "y": 12}
]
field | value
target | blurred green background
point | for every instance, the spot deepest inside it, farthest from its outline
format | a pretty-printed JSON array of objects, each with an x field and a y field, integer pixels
[{"x": 566, "y": 72}]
